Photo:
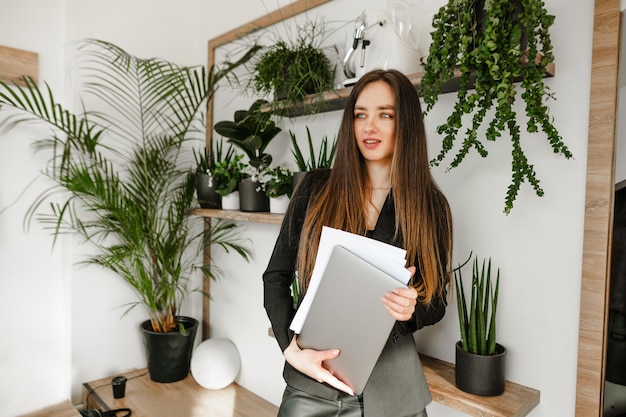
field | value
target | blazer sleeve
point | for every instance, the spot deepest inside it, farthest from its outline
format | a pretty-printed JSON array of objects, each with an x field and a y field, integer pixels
[
  {"x": 280, "y": 271},
  {"x": 424, "y": 315}
]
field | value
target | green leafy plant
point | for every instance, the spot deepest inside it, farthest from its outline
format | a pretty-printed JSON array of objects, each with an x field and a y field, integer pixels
[
  {"x": 121, "y": 182},
  {"x": 251, "y": 131},
  {"x": 225, "y": 167},
  {"x": 228, "y": 173},
  {"x": 325, "y": 155},
  {"x": 477, "y": 319},
  {"x": 492, "y": 44},
  {"x": 279, "y": 182},
  {"x": 206, "y": 161},
  {"x": 293, "y": 69}
]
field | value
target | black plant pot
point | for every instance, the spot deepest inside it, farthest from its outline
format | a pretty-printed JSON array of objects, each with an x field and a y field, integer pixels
[
  {"x": 207, "y": 197},
  {"x": 169, "y": 354},
  {"x": 252, "y": 196},
  {"x": 480, "y": 374},
  {"x": 297, "y": 177}
]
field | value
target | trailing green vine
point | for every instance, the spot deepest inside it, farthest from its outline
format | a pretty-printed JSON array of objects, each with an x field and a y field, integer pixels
[{"x": 492, "y": 55}]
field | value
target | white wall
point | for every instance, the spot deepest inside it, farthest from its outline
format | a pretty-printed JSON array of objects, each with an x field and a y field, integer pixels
[
  {"x": 36, "y": 288},
  {"x": 78, "y": 333}
]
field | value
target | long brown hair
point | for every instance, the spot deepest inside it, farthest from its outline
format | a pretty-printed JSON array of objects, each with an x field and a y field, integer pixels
[{"x": 423, "y": 218}]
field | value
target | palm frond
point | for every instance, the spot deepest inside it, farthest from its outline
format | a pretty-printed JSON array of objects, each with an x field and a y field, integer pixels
[{"x": 119, "y": 179}]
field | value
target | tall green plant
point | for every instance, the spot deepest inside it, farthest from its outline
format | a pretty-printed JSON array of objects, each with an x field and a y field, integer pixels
[
  {"x": 477, "y": 320},
  {"x": 121, "y": 182},
  {"x": 325, "y": 155}
]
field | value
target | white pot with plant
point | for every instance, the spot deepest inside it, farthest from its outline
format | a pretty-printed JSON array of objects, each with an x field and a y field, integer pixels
[{"x": 279, "y": 187}]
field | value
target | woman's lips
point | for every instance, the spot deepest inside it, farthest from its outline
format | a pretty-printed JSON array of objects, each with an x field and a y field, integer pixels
[{"x": 370, "y": 143}]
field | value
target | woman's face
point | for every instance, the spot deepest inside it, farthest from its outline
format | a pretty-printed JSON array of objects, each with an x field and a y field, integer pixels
[{"x": 374, "y": 122}]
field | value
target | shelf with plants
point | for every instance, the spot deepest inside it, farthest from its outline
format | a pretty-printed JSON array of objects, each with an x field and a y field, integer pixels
[{"x": 335, "y": 99}]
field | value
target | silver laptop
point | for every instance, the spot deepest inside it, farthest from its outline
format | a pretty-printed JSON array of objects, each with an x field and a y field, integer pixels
[{"x": 347, "y": 313}]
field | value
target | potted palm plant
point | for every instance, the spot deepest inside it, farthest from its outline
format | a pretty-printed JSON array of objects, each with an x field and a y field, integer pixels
[
  {"x": 251, "y": 130},
  {"x": 480, "y": 360},
  {"x": 122, "y": 184},
  {"x": 492, "y": 45}
]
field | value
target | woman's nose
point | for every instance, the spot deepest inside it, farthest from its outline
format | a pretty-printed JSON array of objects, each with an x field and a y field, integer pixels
[{"x": 370, "y": 125}]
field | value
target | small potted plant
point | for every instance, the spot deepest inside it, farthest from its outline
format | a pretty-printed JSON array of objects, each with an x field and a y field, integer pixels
[
  {"x": 207, "y": 183},
  {"x": 279, "y": 187},
  {"x": 228, "y": 174},
  {"x": 492, "y": 45},
  {"x": 323, "y": 159},
  {"x": 251, "y": 131},
  {"x": 292, "y": 69},
  {"x": 480, "y": 360}
]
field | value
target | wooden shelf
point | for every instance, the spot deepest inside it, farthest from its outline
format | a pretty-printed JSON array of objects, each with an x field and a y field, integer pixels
[
  {"x": 258, "y": 217},
  {"x": 516, "y": 400},
  {"x": 62, "y": 409},
  {"x": 147, "y": 398},
  {"x": 332, "y": 100},
  {"x": 15, "y": 63}
]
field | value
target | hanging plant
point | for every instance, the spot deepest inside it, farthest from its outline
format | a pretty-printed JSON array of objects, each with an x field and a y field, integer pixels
[{"x": 492, "y": 45}]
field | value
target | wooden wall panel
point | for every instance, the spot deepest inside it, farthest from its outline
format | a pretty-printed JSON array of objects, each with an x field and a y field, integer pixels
[
  {"x": 15, "y": 63},
  {"x": 598, "y": 209}
]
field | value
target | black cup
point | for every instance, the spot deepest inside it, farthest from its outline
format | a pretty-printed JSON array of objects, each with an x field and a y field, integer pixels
[{"x": 119, "y": 386}]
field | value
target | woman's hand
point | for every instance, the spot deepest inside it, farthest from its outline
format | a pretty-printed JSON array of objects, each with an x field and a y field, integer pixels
[
  {"x": 309, "y": 362},
  {"x": 400, "y": 302}
]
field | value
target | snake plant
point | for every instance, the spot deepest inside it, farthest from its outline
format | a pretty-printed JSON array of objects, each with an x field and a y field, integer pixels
[{"x": 477, "y": 320}]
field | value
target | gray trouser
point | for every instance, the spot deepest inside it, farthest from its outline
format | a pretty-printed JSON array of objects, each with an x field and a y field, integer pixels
[{"x": 298, "y": 403}]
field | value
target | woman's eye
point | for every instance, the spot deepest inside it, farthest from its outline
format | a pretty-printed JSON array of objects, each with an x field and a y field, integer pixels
[
  {"x": 386, "y": 115},
  {"x": 359, "y": 115}
]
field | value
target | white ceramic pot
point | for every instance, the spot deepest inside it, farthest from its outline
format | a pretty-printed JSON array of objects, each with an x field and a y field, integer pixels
[
  {"x": 278, "y": 205},
  {"x": 231, "y": 201}
]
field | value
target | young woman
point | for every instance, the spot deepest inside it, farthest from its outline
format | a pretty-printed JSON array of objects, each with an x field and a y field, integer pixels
[{"x": 380, "y": 186}]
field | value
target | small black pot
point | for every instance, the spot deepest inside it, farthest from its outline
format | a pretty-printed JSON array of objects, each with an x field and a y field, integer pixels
[
  {"x": 480, "y": 374},
  {"x": 297, "y": 177},
  {"x": 207, "y": 197},
  {"x": 252, "y": 196},
  {"x": 169, "y": 354}
]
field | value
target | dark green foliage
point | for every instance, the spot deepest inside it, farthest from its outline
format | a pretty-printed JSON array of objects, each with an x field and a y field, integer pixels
[
  {"x": 490, "y": 61},
  {"x": 279, "y": 182},
  {"x": 325, "y": 155},
  {"x": 228, "y": 173},
  {"x": 226, "y": 168},
  {"x": 291, "y": 70},
  {"x": 477, "y": 320},
  {"x": 251, "y": 131}
]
